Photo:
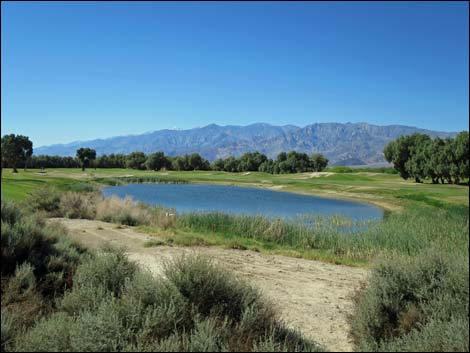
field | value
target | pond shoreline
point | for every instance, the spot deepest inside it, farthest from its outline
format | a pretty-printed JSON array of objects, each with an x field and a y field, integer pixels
[
  {"x": 244, "y": 200},
  {"x": 385, "y": 205}
]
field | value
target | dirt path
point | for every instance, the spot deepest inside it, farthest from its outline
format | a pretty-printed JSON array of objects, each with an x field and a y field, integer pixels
[{"x": 311, "y": 296}]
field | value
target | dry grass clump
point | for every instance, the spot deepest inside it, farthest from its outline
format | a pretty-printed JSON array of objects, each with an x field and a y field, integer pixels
[
  {"x": 78, "y": 205},
  {"x": 123, "y": 211}
]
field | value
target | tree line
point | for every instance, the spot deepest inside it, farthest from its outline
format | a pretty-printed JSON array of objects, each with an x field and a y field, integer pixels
[
  {"x": 420, "y": 157},
  {"x": 17, "y": 150}
]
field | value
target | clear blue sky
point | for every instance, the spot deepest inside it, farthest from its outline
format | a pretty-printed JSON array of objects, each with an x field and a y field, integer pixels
[{"x": 77, "y": 71}]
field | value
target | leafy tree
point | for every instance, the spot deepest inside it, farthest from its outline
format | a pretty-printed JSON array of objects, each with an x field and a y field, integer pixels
[
  {"x": 181, "y": 163},
  {"x": 196, "y": 162},
  {"x": 418, "y": 154},
  {"x": 231, "y": 164},
  {"x": 85, "y": 156},
  {"x": 439, "y": 159},
  {"x": 267, "y": 166},
  {"x": 218, "y": 165},
  {"x": 16, "y": 149},
  {"x": 157, "y": 161},
  {"x": 462, "y": 153},
  {"x": 251, "y": 161},
  {"x": 399, "y": 152},
  {"x": 281, "y": 157},
  {"x": 319, "y": 162},
  {"x": 136, "y": 160}
]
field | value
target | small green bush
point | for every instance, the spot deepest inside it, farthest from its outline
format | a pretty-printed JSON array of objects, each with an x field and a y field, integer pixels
[
  {"x": 410, "y": 300},
  {"x": 21, "y": 285},
  {"x": 211, "y": 290},
  {"x": 110, "y": 270},
  {"x": 45, "y": 198},
  {"x": 7, "y": 332},
  {"x": 51, "y": 334}
]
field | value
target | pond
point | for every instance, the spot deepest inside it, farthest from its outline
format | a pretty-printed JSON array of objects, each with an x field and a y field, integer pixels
[{"x": 242, "y": 200}]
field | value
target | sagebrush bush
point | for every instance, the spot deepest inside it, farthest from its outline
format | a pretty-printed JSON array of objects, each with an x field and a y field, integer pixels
[
  {"x": 38, "y": 263},
  {"x": 7, "y": 331},
  {"x": 58, "y": 297},
  {"x": 110, "y": 270},
  {"x": 47, "y": 199},
  {"x": 113, "y": 306},
  {"x": 51, "y": 334},
  {"x": 21, "y": 285},
  {"x": 410, "y": 300},
  {"x": 213, "y": 291}
]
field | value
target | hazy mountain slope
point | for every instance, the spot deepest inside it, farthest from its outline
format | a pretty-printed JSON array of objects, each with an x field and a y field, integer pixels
[{"x": 359, "y": 143}]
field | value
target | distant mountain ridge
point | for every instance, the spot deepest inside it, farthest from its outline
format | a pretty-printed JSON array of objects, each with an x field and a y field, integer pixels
[{"x": 343, "y": 144}]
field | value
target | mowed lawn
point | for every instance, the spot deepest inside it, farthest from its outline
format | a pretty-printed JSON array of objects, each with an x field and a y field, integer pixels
[{"x": 386, "y": 190}]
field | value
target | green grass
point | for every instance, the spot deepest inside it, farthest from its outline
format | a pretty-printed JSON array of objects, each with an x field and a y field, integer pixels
[{"x": 332, "y": 239}]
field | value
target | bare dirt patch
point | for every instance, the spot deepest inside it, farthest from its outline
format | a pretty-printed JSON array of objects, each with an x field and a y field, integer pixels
[{"x": 311, "y": 296}]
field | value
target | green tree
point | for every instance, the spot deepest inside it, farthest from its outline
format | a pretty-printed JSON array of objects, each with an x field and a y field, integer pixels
[
  {"x": 267, "y": 166},
  {"x": 136, "y": 160},
  {"x": 157, "y": 161},
  {"x": 197, "y": 162},
  {"x": 16, "y": 149},
  {"x": 251, "y": 161},
  {"x": 181, "y": 163},
  {"x": 231, "y": 164},
  {"x": 218, "y": 165},
  {"x": 85, "y": 156},
  {"x": 462, "y": 153},
  {"x": 319, "y": 162},
  {"x": 399, "y": 152},
  {"x": 418, "y": 155},
  {"x": 281, "y": 157}
]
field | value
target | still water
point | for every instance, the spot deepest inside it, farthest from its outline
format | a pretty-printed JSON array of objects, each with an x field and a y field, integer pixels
[{"x": 242, "y": 200}]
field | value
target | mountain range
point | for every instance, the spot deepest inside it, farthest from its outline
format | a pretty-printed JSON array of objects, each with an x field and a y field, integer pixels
[{"x": 342, "y": 144}]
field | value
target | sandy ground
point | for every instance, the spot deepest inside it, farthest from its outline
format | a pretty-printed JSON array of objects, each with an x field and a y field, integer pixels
[{"x": 311, "y": 296}]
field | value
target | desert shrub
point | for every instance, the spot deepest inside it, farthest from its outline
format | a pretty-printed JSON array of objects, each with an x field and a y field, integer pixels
[
  {"x": 58, "y": 297},
  {"x": 77, "y": 205},
  {"x": 24, "y": 240},
  {"x": 414, "y": 303},
  {"x": 38, "y": 263},
  {"x": 208, "y": 336},
  {"x": 50, "y": 334},
  {"x": 211, "y": 290},
  {"x": 45, "y": 198},
  {"x": 45, "y": 247},
  {"x": 100, "y": 330},
  {"x": 110, "y": 270},
  {"x": 160, "y": 308},
  {"x": 10, "y": 212},
  {"x": 7, "y": 332},
  {"x": 435, "y": 336},
  {"x": 22, "y": 284}
]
